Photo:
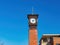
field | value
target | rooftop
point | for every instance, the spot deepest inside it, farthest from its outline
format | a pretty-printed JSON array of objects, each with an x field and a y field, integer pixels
[{"x": 51, "y": 34}]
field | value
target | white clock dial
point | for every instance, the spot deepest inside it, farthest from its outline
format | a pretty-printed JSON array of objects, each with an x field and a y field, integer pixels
[{"x": 33, "y": 20}]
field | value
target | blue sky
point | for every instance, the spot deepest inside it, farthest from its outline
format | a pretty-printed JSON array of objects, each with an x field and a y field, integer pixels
[{"x": 14, "y": 23}]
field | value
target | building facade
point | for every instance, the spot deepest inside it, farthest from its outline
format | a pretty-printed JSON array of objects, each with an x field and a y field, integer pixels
[{"x": 50, "y": 39}]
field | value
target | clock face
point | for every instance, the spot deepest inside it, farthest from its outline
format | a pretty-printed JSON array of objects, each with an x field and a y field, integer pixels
[{"x": 32, "y": 20}]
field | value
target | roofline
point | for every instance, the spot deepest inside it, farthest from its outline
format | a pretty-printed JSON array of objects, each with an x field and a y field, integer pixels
[{"x": 50, "y": 34}]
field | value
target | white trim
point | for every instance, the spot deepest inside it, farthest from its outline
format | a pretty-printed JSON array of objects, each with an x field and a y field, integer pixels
[{"x": 51, "y": 34}]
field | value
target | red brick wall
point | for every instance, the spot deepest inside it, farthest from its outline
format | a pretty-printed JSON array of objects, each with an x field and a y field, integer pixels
[
  {"x": 56, "y": 40},
  {"x": 33, "y": 40}
]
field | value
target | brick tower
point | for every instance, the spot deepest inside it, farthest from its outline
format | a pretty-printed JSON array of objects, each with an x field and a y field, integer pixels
[{"x": 33, "y": 39}]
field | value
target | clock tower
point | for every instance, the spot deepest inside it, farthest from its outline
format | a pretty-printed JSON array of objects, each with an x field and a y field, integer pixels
[{"x": 32, "y": 21}]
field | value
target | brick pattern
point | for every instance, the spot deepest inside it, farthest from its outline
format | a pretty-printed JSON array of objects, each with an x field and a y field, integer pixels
[
  {"x": 33, "y": 37},
  {"x": 56, "y": 40}
]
